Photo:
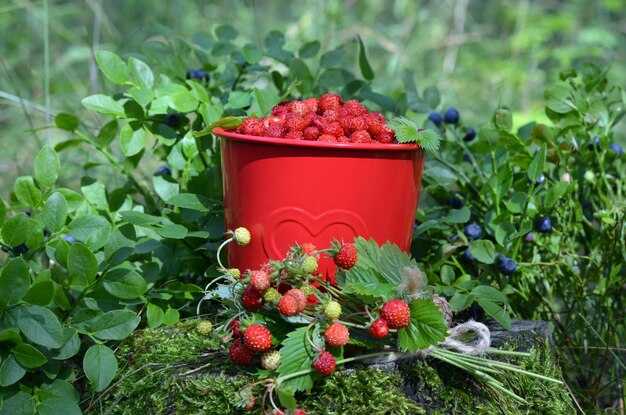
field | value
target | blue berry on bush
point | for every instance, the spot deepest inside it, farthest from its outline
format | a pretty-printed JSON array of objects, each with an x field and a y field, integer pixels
[
  {"x": 20, "y": 249},
  {"x": 457, "y": 200},
  {"x": 164, "y": 170},
  {"x": 199, "y": 74},
  {"x": 467, "y": 255},
  {"x": 506, "y": 266},
  {"x": 528, "y": 238},
  {"x": 69, "y": 238},
  {"x": 543, "y": 224},
  {"x": 540, "y": 179},
  {"x": 470, "y": 134},
  {"x": 451, "y": 116},
  {"x": 473, "y": 231},
  {"x": 595, "y": 142},
  {"x": 616, "y": 148},
  {"x": 435, "y": 117},
  {"x": 173, "y": 120}
]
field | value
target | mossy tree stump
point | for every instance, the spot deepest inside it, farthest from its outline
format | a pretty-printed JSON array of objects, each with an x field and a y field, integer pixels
[{"x": 178, "y": 371}]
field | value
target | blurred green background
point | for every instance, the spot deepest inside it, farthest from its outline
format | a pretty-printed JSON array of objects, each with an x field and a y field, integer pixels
[{"x": 479, "y": 53}]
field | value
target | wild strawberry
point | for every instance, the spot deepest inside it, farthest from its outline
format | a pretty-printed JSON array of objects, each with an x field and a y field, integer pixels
[
  {"x": 343, "y": 139},
  {"x": 331, "y": 115},
  {"x": 344, "y": 112},
  {"x": 267, "y": 267},
  {"x": 325, "y": 364},
  {"x": 333, "y": 128},
  {"x": 379, "y": 328},
  {"x": 298, "y": 107},
  {"x": 346, "y": 255},
  {"x": 288, "y": 306},
  {"x": 253, "y": 126},
  {"x": 346, "y": 123},
  {"x": 310, "y": 249},
  {"x": 307, "y": 289},
  {"x": 273, "y": 121},
  {"x": 337, "y": 335},
  {"x": 272, "y": 296},
  {"x": 358, "y": 123},
  {"x": 385, "y": 137},
  {"x": 250, "y": 404},
  {"x": 279, "y": 110},
  {"x": 318, "y": 121},
  {"x": 332, "y": 310},
  {"x": 234, "y": 272},
  {"x": 297, "y": 122},
  {"x": 377, "y": 116},
  {"x": 257, "y": 338},
  {"x": 260, "y": 281},
  {"x": 330, "y": 102},
  {"x": 204, "y": 327},
  {"x": 327, "y": 138},
  {"x": 300, "y": 298},
  {"x": 234, "y": 327},
  {"x": 241, "y": 354},
  {"x": 270, "y": 360},
  {"x": 309, "y": 265},
  {"x": 275, "y": 131},
  {"x": 311, "y": 105},
  {"x": 374, "y": 126},
  {"x": 251, "y": 298},
  {"x": 311, "y": 133},
  {"x": 397, "y": 313},
  {"x": 299, "y": 411},
  {"x": 361, "y": 136},
  {"x": 294, "y": 135},
  {"x": 242, "y": 236},
  {"x": 355, "y": 108}
]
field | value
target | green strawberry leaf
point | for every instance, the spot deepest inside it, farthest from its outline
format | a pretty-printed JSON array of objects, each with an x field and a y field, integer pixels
[
  {"x": 407, "y": 131},
  {"x": 370, "y": 292},
  {"x": 296, "y": 355},
  {"x": 392, "y": 263},
  {"x": 427, "y": 328}
]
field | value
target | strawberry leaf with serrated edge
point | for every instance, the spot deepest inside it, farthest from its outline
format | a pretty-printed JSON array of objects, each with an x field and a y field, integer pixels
[
  {"x": 296, "y": 355},
  {"x": 227, "y": 123},
  {"x": 407, "y": 131},
  {"x": 427, "y": 328},
  {"x": 370, "y": 292},
  {"x": 392, "y": 262}
]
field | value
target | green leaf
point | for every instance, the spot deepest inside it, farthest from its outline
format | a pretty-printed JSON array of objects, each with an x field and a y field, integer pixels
[
  {"x": 296, "y": 354},
  {"x": 40, "y": 326},
  {"x": 54, "y": 213},
  {"x": 165, "y": 186},
  {"x": 121, "y": 244},
  {"x": 56, "y": 406},
  {"x": 91, "y": 229},
  {"x": 10, "y": 371},
  {"x": 3, "y": 212},
  {"x": 332, "y": 58},
  {"x": 132, "y": 141},
  {"x": 15, "y": 230},
  {"x": 502, "y": 119},
  {"x": 309, "y": 50},
  {"x": 432, "y": 97},
  {"x": 373, "y": 291},
  {"x": 407, "y": 131},
  {"x": 460, "y": 301},
  {"x": 504, "y": 232},
  {"x": 266, "y": 100},
  {"x": 154, "y": 315},
  {"x": 14, "y": 282},
  {"x": 496, "y": 311},
  {"x": 190, "y": 201},
  {"x": 17, "y": 403},
  {"x": 112, "y": 66},
  {"x": 141, "y": 72},
  {"x": 28, "y": 356},
  {"x": 286, "y": 398},
  {"x": 537, "y": 164},
  {"x": 226, "y": 32},
  {"x": 66, "y": 121},
  {"x": 82, "y": 265},
  {"x": 554, "y": 194},
  {"x": 104, "y": 105},
  {"x": 40, "y": 293},
  {"x": 558, "y": 99},
  {"x": 364, "y": 65},
  {"x": 26, "y": 191},
  {"x": 184, "y": 101},
  {"x": 427, "y": 328},
  {"x": 124, "y": 283},
  {"x": 415, "y": 103},
  {"x": 251, "y": 54},
  {"x": 483, "y": 251},
  {"x": 70, "y": 347},
  {"x": 107, "y": 134},
  {"x": 515, "y": 204},
  {"x": 172, "y": 231},
  {"x": 100, "y": 366},
  {"x": 393, "y": 262},
  {"x": 94, "y": 192},
  {"x": 457, "y": 216},
  {"x": 171, "y": 317},
  {"x": 10, "y": 335},
  {"x": 114, "y": 325},
  {"x": 47, "y": 166},
  {"x": 447, "y": 274}
]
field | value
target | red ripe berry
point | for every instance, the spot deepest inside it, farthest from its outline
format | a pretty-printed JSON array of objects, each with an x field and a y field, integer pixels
[
  {"x": 346, "y": 257},
  {"x": 311, "y": 133},
  {"x": 344, "y": 112},
  {"x": 379, "y": 328},
  {"x": 355, "y": 108},
  {"x": 397, "y": 313},
  {"x": 273, "y": 121},
  {"x": 267, "y": 267},
  {"x": 299, "y": 296},
  {"x": 343, "y": 139},
  {"x": 325, "y": 363},
  {"x": 378, "y": 116},
  {"x": 234, "y": 328},
  {"x": 260, "y": 281},
  {"x": 294, "y": 135},
  {"x": 288, "y": 306},
  {"x": 346, "y": 123},
  {"x": 361, "y": 136},
  {"x": 334, "y": 129},
  {"x": 296, "y": 122},
  {"x": 318, "y": 121},
  {"x": 327, "y": 138},
  {"x": 298, "y": 108},
  {"x": 249, "y": 405},
  {"x": 299, "y": 411},
  {"x": 374, "y": 126},
  {"x": 337, "y": 335},
  {"x": 331, "y": 115},
  {"x": 275, "y": 131},
  {"x": 385, "y": 138},
  {"x": 358, "y": 123},
  {"x": 311, "y": 105},
  {"x": 330, "y": 102},
  {"x": 279, "y": 110},
  {"x": 311, "y": 250},
  {"x": 251, "y": 298},
  {"x": 253, "y": 126},
  {"x": 241, "y": 354},
  {"x": 257, "y": 337}
]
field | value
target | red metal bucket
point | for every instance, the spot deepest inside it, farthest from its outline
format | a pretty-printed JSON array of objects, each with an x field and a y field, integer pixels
[{"x": 287, "y": 191}]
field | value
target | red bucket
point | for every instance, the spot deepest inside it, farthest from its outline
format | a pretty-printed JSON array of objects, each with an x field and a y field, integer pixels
[{"x": 289, "y": 191}]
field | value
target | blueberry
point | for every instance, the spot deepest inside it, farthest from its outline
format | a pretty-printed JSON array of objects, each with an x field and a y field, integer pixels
[
  {"x": 451, "y": 116},
  {"x": 173, "y": 120},
  {"x": 540, "y": 179},
  {"x": 528, "y": 238},
  {"x": 466, "y": 158},
  {"x": 468, "y": 256},
  {"x": 506, "y": 266},
  {"x": 587, "y": 204},
  {"x": 457, "y": 200},
  {"x": 616, "y": 148},
  {"x": 20, "y": 249},
  {"x": 454, "y": 237},
  {"x": 164, "y": 170},
  {"x": 200, "y": 74},
  {"x": 595, "y": 143},
  {"x": 69, "y": 238},
  {"x": 435, "y": 118},
  {"x": 543, "y": 224},
  {"x": 473, "y": 231},
  {"x": 470, "y": 134}
]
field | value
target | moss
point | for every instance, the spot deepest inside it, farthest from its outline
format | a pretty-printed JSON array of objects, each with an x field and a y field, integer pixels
[{"x": 154, "y": 381}]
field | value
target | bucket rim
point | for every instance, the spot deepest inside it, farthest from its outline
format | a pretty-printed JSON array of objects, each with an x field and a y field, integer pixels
[{"x": 220, "y": 132}]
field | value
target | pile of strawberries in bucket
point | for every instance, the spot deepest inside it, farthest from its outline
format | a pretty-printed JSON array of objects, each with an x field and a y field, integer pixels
[{"x": 327, "y": 119}]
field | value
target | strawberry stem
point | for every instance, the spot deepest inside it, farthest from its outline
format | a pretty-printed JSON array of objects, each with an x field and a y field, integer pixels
[{"x": 226, "y": 242}]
